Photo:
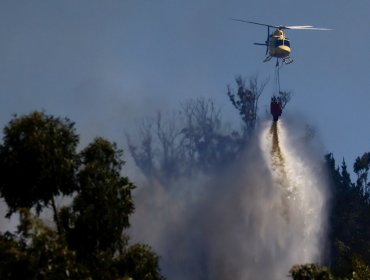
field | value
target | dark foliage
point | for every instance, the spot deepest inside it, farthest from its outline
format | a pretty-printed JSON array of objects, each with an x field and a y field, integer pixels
[
  {"x": 310, "y": 272},
  {"x": 361, "y": 168},
  {"x": 246, "y": 101},
  {"x": 349, "y": 219},
  {"x": 37, "y": 160},
  {"x": 40, "y": 158},
  {"x": 140, "y": 262},
  {"x": 102, "y": 206}
]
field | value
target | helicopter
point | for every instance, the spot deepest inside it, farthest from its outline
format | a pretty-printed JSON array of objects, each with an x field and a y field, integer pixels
[{"x": 277, "y": 44}]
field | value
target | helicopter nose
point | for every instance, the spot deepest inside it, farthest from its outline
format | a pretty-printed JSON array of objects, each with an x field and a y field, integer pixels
[{"x": 283, "y": 51}]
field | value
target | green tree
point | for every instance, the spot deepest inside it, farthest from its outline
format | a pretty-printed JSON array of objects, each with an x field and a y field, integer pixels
[
  {"x": 37, "y": 161},
  {"x": 140, "y": 262},
  {"x": 37, "y": 252},
  {"x": 310, "y": 272},
  {"x": 349, "y": 227},
  {"x": 40, "y": 158},
  {"x": 14, "y": 263},
  {"x": 361, "y": 168},
  {"x": 101, "y": 207}
]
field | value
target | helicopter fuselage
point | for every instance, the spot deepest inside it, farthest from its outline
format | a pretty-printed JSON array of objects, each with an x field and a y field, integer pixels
[{"x": 278, "y": 44}]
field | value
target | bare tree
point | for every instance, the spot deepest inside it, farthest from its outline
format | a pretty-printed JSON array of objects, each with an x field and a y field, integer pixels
[
  {"x": 144, "y": 155},
  {"x": 203, "y": 134},
  {"x": 285, "y": 97},
  {"x": 158, "y": 152},
  {"x": 184, "y": 143},
  {"x": 246, "y": 100},
  {"x": 168, "y": 132}
]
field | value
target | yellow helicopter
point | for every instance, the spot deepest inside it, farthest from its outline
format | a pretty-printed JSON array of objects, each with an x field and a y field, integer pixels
[{"x": 277, "y": 44}]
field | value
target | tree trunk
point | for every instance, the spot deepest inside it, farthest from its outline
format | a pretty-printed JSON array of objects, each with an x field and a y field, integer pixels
[{"x": 56, "y": 216}]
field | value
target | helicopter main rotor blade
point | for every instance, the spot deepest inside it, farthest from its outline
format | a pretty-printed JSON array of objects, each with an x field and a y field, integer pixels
[
  {"x": 252, "y": 22},
  {"x": 296, "y": 27},
  {"x": 305, "y": 27}
]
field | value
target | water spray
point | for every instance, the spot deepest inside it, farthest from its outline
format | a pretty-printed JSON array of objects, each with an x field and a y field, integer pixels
[
  {"x": 301, "y": 187},
  {"x": 254, "y": 221}
]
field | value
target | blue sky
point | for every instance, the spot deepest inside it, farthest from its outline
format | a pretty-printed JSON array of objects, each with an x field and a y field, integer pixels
[{"x": 108, "y": 64}]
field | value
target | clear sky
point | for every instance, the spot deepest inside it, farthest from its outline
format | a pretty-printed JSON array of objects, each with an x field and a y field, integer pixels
[{"x": 107, "y": 64}]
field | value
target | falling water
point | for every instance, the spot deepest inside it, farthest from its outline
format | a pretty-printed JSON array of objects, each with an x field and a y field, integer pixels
[
  {"x": 301, "y": 187},
  {"x": 252, "y": 221}
]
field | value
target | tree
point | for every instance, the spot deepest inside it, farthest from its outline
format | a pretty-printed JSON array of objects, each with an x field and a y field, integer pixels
[
  {"x": 349, "y": 227},
  {"x": 38, "y": 252},
  {"x": 194, "y": 140},
  {"x": 159, "y": 153},
  {"x": 101, "y": 208},
  {"x": 14, "y": 262},
  {"x": 140, "y": 262},
  {"x": 90, "y": 242},
  {"x": 144, "y": 155},
  {"x": 310, "y": 271},
  {"x": 284, "y": 97},
  {"x": 246, "y": 100},
  {"x": 189, "y": 142},
  {"x": 37, "y": 161},
  {"x": 168, "y": 133},
  {"x": 361, "y": 168}
]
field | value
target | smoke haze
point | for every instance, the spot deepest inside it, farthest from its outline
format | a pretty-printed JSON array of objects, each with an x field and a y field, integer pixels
[{"x": 254, "y": 220}]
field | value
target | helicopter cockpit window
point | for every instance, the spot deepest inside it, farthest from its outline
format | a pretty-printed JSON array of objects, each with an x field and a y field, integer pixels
[
  {"x": 279, "y": 43},
  {"x": 282, "y": 43}
]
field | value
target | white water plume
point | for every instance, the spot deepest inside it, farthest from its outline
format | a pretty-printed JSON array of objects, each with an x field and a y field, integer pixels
[
  {"x": 297, "y": 176},
  {"x": 252, "y": 221}
]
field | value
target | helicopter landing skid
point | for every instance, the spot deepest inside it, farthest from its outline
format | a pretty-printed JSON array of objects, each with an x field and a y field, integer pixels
[
  {"x": 287, "y": 60},
  {"x": 268, "y": 58}
]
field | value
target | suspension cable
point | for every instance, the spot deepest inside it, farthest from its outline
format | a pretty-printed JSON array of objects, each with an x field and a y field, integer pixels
[{"x": 277, "y": 79}]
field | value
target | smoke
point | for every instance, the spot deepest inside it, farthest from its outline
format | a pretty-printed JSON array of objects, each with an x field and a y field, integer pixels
[{"x": 254, "y": 220}]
